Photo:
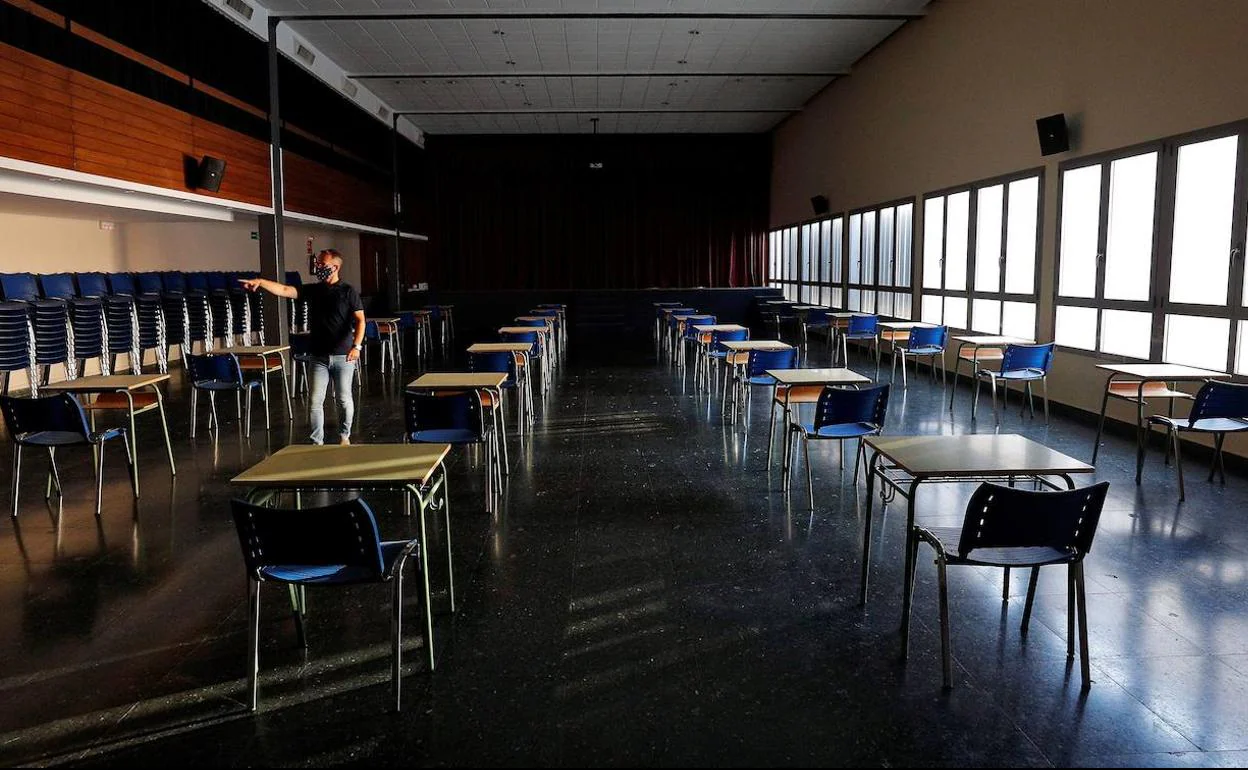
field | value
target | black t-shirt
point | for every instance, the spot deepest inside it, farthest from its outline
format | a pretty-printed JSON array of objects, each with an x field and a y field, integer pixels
[{"x": 331, "y": 316}]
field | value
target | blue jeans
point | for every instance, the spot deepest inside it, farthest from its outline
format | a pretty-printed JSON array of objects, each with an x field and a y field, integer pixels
[{"x": 320, "y": 369}]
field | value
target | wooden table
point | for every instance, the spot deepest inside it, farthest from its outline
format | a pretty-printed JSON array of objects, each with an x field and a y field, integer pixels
[
  {"x": 264, "y": 352},
  {"x": 904, "y": 462},
  {"x": 1146, "y": 381},
  {"x": 416, "y": 470},
  {"x": 126, "y": 386},
  {"x": 803, "y": 386},
  {"x": 704, "y": 358},
  {"x": 492, "y": 382},
  {"x": 525, "y": 396},
  {"x": 744, "y": 346},
  {"x": 984, "y": 347}
]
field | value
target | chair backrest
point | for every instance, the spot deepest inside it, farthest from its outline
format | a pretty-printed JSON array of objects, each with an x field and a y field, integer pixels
[
  {"x": 122, "y": 283},
  {"x": 343, "y": 534},
  {"x": 1011, "y": 517},
  {"x": 371, "y": 332},
  {"x": 697, "y": 320},
  {"x": 214, "y": 367},
  {"x": 671, "y": 319},
  {"x": 838, "y": 406},
  {"x": 59, "y": 412},
  {"x": 443, "y": 410},
  {"x": 762, "y": 360},
  {"x": 57, "y": 285},
  {"x": 927, "y": 337},
  {"x": 1220, "y": 399},
  {"x": 531, "y": 322},
  {"x": 548, "y": 312},
  {"x": 1019, "y": 357},
  {"x": 293, "y": 278},
  {"x": 531, "y": 337},
  {"x": 173, "y": 281},
  {"x": 92, "y": 285},
  {"x": 502, "y": 361},
  {"x": 19, "y": 286},
  {"x": 217, "y": 280},
  {"x": 734, "y": 335},
  {"x": 818, "y": 316},
  {"x": 300, "y": 344},
  {"x": 863, "y": 324},
  {"x": 149, "y": 283},
  {"x": 197, "y": 282}
]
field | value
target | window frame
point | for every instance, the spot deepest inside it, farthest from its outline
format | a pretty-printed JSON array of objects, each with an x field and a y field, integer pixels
[{"x": 874, "y": 286}]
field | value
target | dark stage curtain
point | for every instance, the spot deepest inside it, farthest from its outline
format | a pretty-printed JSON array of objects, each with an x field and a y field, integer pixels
[{"x": 534, "y": 212}]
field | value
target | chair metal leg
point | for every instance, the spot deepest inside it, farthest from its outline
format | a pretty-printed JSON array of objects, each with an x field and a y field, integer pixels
[
  {"x": 974, "y": 397},
  {"x": 213, "y": 422},
  {"x": 912, "y": 553},
  {"x": 17, "y": 476},
  {"x": 238, "y": 403},
  {"x": 297, "y": 608},
  {"x": 945, "y": 652},
  {"x": 1031, "y": 597},
  {"x": 247, "y": 429},
  {"x": 1044, "y": 386},
  {"x": 862, "y": 451},
  {"x": 54, "y": 476},
  {"x": 396, "y": 637},
  {"x": 1216, "y": 464},
  {"x": 1178, "y": 463},
  {"x": 194, "y": 405},
  {"x": 1070, "y": 611},
  {"x": 1082, "y": 601},
  {"x": 99, "y": 480},
  {"x": 810, "y": 484},
  {"x": 253, "y": 643},
  {"x": 996, "y": 414}
]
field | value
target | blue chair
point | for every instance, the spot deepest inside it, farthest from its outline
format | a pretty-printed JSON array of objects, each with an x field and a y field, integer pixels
[
  {"x": 214, "y": 373},
  {"x": 1218, "y": 409},
  {"x": 861, "y": 328},
  {"x": 535, "y": 356},
  {"x": 517, "y": 373},
  {"x": 691, "y": 337},
  {"x": 455, "y": 417},
  {"x": 122, "y": 283},
  {"x": 56, "y": 421},
  {"x": 1012, "y": 527},
  {"x": 1019, "y": 363},
  {"x": 561, "y": 333},
  {"x": 57, "y": 286},
  {"x": 816, "y": 320},
  {"x": 717, "y": 354},
  {"x": 337, "y": 545},
  {"x": 92, "y": 285},
  {"x": 840, "y": 414},
  {"x": 924, "y": 342},
  {"x": 754, "y": 373}
]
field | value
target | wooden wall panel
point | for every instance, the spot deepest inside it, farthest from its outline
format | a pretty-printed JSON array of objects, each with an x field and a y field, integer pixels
[{"x": 52, "y": 115}]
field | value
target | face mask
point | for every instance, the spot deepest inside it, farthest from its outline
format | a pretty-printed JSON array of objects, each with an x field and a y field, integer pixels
[{"x": 323, "y": 272}]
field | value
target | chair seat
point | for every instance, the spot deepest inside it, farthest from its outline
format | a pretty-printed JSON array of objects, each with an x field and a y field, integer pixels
[
  {"x": 54, "y": 438},
  {"x": 761, "y": 379},
  {"x": 226, "y": 385},
  {"x": 948, "y": 538},
  {"x": 858, "y": 336},
  {"x": 445, "y": 436},
  {"x": 923, "y": 350},
  {"x": 1015, "y": 374},
  {"x": 841, "y": 430},
  {"x": 1206, "y": 425},
  {"x": 336, "y": 574}
]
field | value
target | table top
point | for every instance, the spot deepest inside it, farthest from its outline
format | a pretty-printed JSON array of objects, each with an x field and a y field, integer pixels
[
  {"x": 500, "y": 347},
  {"x": 522, "y": 329},
  {"x": 906, "y": 325},
  {"x": 545, "y": 318},
  {"x": 96, "y": 383},
  {"x": 384, "y": 320},
  {"x": 809, "y": 307},
  {"x": 974, "y": 455},
  {"x": 355, "y": 466},
  {"x": 458, "y": 380},
  {"x": 839, "y": 376},
  {"x": 992, "y": 339},
  {"x": 672, "y": 309},
  {"x": 779, "y": 302},
  {"x": 844, "y": 314},
  {"x": 757, "y": 345},
  {"x": 719, "y": 327},
  {"x": 254, "y": 350},
  {"x": 668, "y": 304},
  {"x": 1163, "y": 371}
]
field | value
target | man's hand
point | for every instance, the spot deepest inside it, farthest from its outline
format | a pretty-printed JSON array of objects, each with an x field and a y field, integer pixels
[
  {"x": 353, "y": 355},
  {"x": 250, "y": 284}
]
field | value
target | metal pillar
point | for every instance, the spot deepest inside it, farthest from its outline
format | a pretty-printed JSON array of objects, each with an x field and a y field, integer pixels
[
  {"x": 395, "y": 295},
  {"x": 272, "y": 253}
]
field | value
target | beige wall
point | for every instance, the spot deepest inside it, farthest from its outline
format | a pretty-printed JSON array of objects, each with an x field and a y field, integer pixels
[
  {"x": 48, "y": 244},
  {"x": 952, "y": 98}
]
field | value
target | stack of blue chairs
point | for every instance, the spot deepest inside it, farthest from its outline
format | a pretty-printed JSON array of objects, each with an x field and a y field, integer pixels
[
  {"x": 17, "y": 344},
  {"x": 120, "y": 317},
  {"x": 49, "y": 319},
  {"x": 298, "y": 310},
  {"x": 88, "y": 331}
]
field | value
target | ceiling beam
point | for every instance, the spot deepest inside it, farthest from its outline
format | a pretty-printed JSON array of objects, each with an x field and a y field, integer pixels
[
  {"x": 580, "y": 16},
  {"x": 611, "y": 111},
  {"x": 514, "y": 74}
]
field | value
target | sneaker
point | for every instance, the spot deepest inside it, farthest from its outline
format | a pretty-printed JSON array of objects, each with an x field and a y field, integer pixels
[{"x": 344, "y": 440}]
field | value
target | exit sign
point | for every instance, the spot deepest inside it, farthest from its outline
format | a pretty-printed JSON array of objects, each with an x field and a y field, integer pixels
[{"x": 255, "y": 236}]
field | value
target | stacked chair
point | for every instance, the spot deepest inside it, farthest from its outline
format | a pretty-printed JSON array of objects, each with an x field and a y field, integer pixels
[
  {"x": 49, "y": 321},
  {"x": 88, "y": 330}
]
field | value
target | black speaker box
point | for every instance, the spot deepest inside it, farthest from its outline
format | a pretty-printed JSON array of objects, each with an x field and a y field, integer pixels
[
  {"x": 1053, "y": 136},
  {"x": 820, "y": 204},
  {"x": 211, "y": 172}
]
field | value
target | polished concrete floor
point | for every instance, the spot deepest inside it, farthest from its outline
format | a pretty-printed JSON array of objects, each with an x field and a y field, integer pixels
[{"x": 645, "y": 595}]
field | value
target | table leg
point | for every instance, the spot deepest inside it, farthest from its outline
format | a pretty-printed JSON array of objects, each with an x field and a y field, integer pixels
[
  {"x": 1100, "y": 425},
  {"x": 290, "y": 411},
  {"x": 134, "y": 443},
  {"x": 446, "y": 510},
  {"x": 957, "y": 366},
  {"x": 500, "y": 414},
  {"x": 866, "y": 530},
  {"x": 424, "y": 572},
  {"x": 911, "y": 558},
  {"x": 1141, "y": 436},
  {"x": 164, "y": 424}
]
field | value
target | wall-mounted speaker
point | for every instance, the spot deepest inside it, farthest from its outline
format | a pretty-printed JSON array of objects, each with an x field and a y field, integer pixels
[
  {"x": 211, "y": 172},
  {"x": 820, "y": 204},
  {"x": 1053, "y": 135}
]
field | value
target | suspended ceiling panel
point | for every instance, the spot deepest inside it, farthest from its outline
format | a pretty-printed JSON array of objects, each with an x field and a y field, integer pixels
[{"x": 639, "y": 66}]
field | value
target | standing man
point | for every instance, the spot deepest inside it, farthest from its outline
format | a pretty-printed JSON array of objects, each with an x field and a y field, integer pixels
[{"x": 336, "y": 336}]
